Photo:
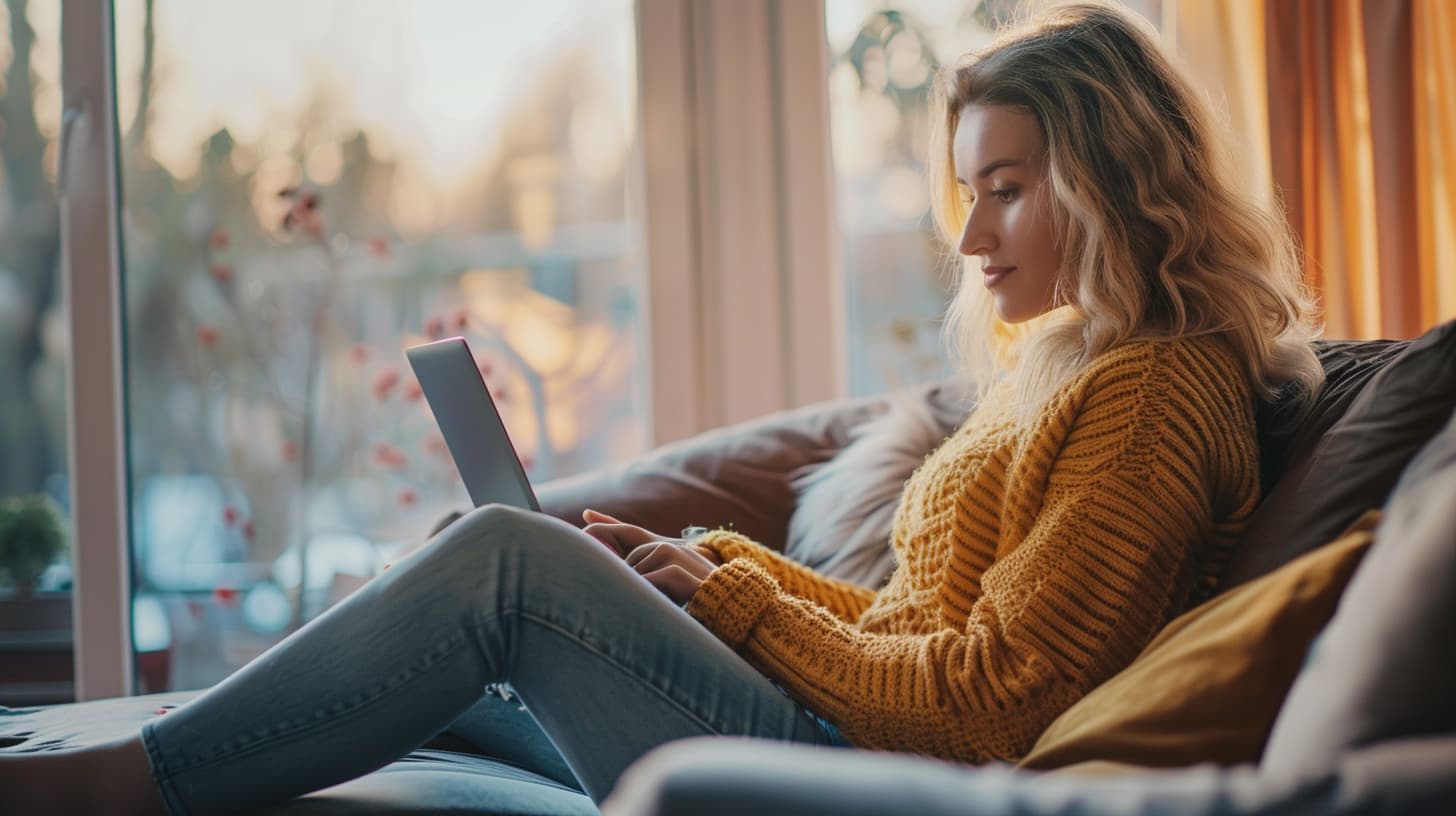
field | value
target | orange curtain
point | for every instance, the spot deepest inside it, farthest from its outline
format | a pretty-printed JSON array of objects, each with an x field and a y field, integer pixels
[
  {"x": 1221, "y": 47},
  {"x": 1434, "y": 53},
  {"x": 1360, "y": 147}
]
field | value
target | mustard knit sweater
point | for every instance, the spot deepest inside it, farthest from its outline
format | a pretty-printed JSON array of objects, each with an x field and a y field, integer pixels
[{"x": 1035, "y": 558}]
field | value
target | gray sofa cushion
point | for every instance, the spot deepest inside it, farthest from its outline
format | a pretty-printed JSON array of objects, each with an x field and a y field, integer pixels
[
  {"x": 1385, "y": 666},
  {"x": 723, "y": 777},
  {"x": 1352, "y": 467},
  {"x": 425, "y": 781},
  {"x": 428, "y": 781}
]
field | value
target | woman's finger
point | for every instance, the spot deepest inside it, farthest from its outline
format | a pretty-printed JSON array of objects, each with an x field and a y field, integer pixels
[
  {"x": 603, "y": 534},
  {"x": 675, "y": 582},
  {"x": 591, "y": 516},
  {"x": 613, "y": 536},
  {"x": 661, "y": 554},
  {"x": 649, "y": 555},
  {"x": 623, "y": 537}
]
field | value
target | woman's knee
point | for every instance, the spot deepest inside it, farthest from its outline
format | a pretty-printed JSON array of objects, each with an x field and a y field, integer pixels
[{"x": 497, "y": 531}]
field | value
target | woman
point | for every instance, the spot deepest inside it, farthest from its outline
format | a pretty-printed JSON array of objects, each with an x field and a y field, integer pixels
[{"x": 1125, "y": 306}]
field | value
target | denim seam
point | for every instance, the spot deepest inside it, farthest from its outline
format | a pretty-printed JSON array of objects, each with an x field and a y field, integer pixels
[
  {"x": 631, "y": 671},
  {"x": 277, "y": 732},
  {"x": 161, "y": 773}
]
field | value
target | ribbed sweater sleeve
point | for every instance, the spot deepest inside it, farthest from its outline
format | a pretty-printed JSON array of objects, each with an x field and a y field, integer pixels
[
  {"x": 1131, "y": 465},
  {"x": 846, "y": 601}
]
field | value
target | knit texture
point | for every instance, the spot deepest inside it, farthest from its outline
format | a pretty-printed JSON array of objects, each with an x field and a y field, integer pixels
[{"x": 1036, "y": 556}]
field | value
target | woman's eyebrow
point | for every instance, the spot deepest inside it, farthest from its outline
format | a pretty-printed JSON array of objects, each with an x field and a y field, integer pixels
[{"x": 992, "y": 167}]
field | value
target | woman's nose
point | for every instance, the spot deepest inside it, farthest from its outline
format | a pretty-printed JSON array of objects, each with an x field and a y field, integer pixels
[{"x": 976, "y": 239}]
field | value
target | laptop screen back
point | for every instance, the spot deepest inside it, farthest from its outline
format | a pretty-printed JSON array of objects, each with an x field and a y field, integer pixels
[{"x": 472, "y": 427}]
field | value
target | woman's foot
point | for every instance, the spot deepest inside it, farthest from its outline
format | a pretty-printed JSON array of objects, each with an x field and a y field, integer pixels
[{"x": 113, "y": 777}]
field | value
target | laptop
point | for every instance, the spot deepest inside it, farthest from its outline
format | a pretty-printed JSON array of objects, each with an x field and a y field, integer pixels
[{"x": 467, "y": 416}]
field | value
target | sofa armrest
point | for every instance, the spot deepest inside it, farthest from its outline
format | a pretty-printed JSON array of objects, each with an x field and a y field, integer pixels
[
  {"x": 738, "y": 476},
  {"x": 712, "y": 776}
]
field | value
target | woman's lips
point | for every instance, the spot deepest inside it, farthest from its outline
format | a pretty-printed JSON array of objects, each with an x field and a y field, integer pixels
[{"x": 995, "y": 274}]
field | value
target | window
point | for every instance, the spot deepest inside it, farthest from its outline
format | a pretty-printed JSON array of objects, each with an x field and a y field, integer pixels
[
  {"x": 896, "y": 274},
  {"x": 35, "y": 575},
  {"x": 309, "y": 188}
]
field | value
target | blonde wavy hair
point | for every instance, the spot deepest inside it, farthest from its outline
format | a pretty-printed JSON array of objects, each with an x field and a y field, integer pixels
[{"x": 1157, "y": 238}]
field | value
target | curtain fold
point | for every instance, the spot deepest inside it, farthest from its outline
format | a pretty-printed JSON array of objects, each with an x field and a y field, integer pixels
[
  {"x": 1393, "y": 283},
  {"x": 1434, "y": 51},
  {"x": 1360, "y": 144},
  {"x": 1221, "y": 47}
]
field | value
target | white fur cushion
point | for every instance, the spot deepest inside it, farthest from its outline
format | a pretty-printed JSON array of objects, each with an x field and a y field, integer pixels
[{"x": 841, "y": 523}]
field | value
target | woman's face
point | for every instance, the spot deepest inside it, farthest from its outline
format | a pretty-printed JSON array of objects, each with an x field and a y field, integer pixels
[{"x": 1000, "y": 163}]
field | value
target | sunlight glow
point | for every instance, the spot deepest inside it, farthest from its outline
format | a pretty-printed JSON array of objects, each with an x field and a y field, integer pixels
[{"x": 429, "y": 81}]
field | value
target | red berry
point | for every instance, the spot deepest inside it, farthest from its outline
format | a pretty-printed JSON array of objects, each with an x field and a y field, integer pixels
[{"x": 384, "y": 383}]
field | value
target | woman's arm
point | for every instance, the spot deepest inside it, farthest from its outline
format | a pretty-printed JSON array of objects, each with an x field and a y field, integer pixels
[
  {"x": 844, "y": 600},
  {"x": 1109, "y": 556},
  {"x": 1062, "y": 612}
]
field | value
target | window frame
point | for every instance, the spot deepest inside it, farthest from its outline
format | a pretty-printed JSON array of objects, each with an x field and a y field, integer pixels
[
  {"x": 747, "y": 301},
  {"x": 90, "y": 195}
]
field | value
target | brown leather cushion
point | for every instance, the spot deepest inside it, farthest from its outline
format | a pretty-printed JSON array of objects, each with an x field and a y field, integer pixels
[
  {"x": 1351, "y": 467},
  {"x": 738, "y": 476},
  {"x": 1208, "y": 687}
]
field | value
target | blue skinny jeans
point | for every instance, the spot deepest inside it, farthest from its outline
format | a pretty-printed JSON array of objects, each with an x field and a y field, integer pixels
[{"x": 606, "y": 666}]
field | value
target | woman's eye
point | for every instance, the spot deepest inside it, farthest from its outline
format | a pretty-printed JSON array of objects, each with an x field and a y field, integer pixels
[{"x": 1005, "y": 195}]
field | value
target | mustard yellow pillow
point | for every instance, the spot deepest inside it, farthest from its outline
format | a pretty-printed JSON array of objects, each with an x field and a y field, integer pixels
[{"x": 1208, "y": 687}]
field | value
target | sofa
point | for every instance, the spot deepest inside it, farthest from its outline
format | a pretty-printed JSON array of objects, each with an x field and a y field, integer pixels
[{"x": 1337, "y": 699}]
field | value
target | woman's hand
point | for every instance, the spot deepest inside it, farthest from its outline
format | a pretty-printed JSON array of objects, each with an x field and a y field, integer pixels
[
  {"x": 665, "y": 562},
  {"x": 620, "y": 537},
  {"x": 676, "y": 571}
]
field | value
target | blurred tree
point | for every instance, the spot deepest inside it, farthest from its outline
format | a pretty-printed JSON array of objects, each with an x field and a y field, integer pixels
[
  {"x": 29, "y": 254},
  {"x": 538, "y": 211}
]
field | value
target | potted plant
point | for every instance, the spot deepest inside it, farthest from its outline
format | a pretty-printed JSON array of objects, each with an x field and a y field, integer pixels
[
  {"x": 36, "y": 663},
  {"x": 31, "y": 539}
]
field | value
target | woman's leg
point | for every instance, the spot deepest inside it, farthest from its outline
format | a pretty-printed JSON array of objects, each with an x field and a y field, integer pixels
[
  {"x": 607, "y": 665},
  {"x": 498, "y": 726}
]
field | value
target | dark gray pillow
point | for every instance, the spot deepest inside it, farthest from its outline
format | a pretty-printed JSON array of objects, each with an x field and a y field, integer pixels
[
  {"x": 1385, "y": 666},
  {"x": 1354, "y": 464},
  {"x": 1285, "y": 438}
]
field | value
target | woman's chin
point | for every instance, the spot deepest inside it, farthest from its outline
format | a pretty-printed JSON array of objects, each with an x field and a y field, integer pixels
[
  {"x": 1009, "y": 314},
  {"x": 1014, "y": 316}
]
